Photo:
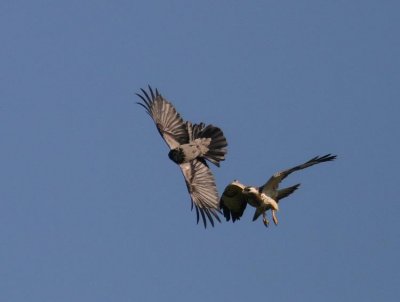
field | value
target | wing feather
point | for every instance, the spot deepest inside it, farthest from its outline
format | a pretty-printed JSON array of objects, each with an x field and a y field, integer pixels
[
  {"x": 202, "y": 189},
  {"x": 168, "y": 121},
  {"x": 232, "y": 202},
  {"x": 273, "y": 183}
]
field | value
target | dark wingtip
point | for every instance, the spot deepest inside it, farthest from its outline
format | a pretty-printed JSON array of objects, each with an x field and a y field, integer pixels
[
  {"x": 203, "y": 217},
  {"x": 235, "y": 218},
  {"x": 146, "y": 94},
  {"x": 328, "y": 157},
  {"x": 151, "y": 92},
  {"x": 225, "y": 210},
  {"x": 324, "y": 158},
  {"x": 215, "y": 212},
  {"x": 197, "y": 214},
  {"x": 142, "y": 97}
]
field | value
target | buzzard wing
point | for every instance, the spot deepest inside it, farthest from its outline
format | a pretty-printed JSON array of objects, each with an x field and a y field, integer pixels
[
  {"x": 232, "y": 201},
  {"x": 273, "y": 183}
]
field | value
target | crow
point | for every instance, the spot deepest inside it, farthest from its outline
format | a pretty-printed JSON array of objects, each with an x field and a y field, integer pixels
[{"x": 190, "y": 146}]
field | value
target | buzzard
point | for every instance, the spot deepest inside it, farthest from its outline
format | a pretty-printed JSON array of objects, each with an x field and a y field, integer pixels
[
  {"x": 190, "y": 146},
  {"x": 236, "y": 195}
]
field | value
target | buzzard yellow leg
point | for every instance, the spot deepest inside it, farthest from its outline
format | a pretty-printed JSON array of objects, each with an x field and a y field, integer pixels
[
  {"x": 274, "y": 218},
  {"x": 265, "y": 220}
]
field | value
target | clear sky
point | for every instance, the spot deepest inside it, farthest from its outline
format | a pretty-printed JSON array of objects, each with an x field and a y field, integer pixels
[{"x": 92, "y": 209}]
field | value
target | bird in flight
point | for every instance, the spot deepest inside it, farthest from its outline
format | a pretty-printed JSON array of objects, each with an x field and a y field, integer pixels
[
  {"x": 236, "y": 195},
  {"x": 190, "y": 146}
]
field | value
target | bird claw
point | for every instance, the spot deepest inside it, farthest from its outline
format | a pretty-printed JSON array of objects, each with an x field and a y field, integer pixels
[
  {"x": 265, "y": 221},
  {"x": 274, "y": 218}
]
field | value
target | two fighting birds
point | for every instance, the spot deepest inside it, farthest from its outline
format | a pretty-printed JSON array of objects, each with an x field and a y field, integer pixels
[
  {"x": 193, "y": 145},
  {"x": 236, "y": 196}
]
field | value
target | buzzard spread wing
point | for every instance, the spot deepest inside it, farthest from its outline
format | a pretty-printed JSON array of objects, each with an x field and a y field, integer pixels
[
  {"x": 273, "y": 183},
  {"x": 202, "y": 189},
  {"x": 168, "y": 121},
  {"x": 232, "y": 201}
]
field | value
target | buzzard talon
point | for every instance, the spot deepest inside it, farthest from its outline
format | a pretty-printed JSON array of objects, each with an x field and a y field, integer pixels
[
  {"x": 274, "y": 218},
  {"x": 265, "y": 220}
]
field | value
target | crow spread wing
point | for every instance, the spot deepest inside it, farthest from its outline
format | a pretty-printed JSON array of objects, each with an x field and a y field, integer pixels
[
  {"x": 168, "y": 121},
  {"x": 202, "y": 189},
  {"x": 273, "y": 183},
  {"x": 232, "y": 201}
]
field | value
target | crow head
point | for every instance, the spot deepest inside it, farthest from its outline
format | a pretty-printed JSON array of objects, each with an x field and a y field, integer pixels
[{"x": 177, "y": 155}]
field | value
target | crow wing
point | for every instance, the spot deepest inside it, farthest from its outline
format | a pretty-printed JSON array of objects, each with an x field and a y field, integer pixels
[
  {"x": 202, "y": 189},
  {"x": 168, "y": 121},
  {"x": 216, "y": 142},
  {"x": 273, "y": 183}
]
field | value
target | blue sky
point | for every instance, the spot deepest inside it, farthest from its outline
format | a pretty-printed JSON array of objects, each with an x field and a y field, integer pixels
[{"x": 92, "y": 209}]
